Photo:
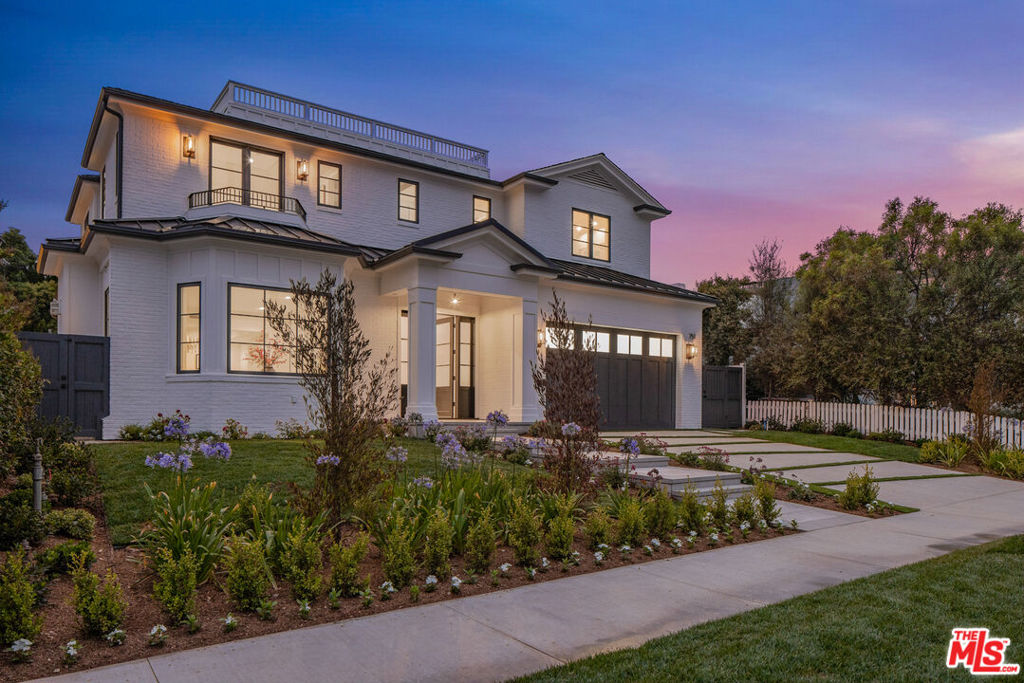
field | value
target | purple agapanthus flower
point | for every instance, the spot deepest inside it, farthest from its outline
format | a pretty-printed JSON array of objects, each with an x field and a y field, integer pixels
[
  {"x": 215, "y": 449},
  {"x": 397, "y": 454},
  {"x": 629, "y": 446},
  {"x": 498, "y": 418},
  {"x": 176, "y": 428},
  {"x": 328, "y": 460},
  {"x": 425, "y": 482},
  {"x": 571, "y": 429}
]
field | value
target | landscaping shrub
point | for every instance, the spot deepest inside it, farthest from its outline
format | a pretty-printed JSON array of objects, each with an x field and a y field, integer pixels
[
  {"x": 101, "y": 607},
  {"x": 79, "y": 524},
  {"x": 752, "y": 425},
  {"x": 650, "y": 445},
  {"x": 542, "y": 429},
  {"x": 22, "y": 387},
  {"x": 253, "y": 504},
  {"x": 860, "y": 490},
  {"x": 597, "y": 529},
  {"x": 1006, "y": 462},
  {"x": 397, "y": 557},
  {"x": 247, "y": 577},
  {"x": 437, "y": 546},
  {"x": 807, "y": 425},
  {"x": 631, "y": 523},
  {"x": 17, "y": 598},
  {"x": 767, "y": 509},
  {"x": 931, "y": 451},
  {"x": 890, "y": 435},
  {"x": 345, "y": 567},
  {"x": 18, "y": 521},
  {"x": 691, "y": 510},
  {"x": 301, "y": 563},
  {"x": 291, "y": 429},
  {"x": 131, "y": 432},
  {"x": 524, "y": 533},
  {"x": 745, "y": 508},
  {"x": 70, "y": 470},
  {"x": 187, "y": 519},
  {"x": 773, "y": 424},
  {"x": 953, "y": 451},
  {"x": 560, "y": 534},
  {"x": 661, "y": 514},
  {"x": 473, "y": 438},
  {"x": 480, "y": 544},
  {"x": 233, "y": 429},
  {"x": 175, "y": 585},
  {"x": 718, "y": 506},
  {"x": 842, "y": 429},
  {"x": 713, "y": 458},
  {"x": 60, "y": 559}
]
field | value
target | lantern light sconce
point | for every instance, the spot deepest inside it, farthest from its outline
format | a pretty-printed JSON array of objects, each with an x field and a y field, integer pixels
[
  {"x": 188, "y": 146},
  {"x": 302, "y": 171},
  {"x": 691, "y": 346}
]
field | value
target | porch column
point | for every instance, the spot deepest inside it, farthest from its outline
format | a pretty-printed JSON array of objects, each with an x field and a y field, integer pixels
[
  {"x": 529, "y": 408},
  {"x": 422, "y": 352}
]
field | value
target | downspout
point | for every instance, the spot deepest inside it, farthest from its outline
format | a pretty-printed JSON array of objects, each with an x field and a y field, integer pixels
[{"x": 120, "y": 155}]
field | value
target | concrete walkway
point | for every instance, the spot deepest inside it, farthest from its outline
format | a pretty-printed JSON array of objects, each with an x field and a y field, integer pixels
[{"x": 518, "y": 631}]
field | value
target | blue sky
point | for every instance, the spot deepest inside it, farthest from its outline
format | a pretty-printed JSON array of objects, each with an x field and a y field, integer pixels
[{"x": 749, "y": 120}]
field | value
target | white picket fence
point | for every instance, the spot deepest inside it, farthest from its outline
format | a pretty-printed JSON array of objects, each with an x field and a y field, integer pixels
[{"x": 913, "y": 423}]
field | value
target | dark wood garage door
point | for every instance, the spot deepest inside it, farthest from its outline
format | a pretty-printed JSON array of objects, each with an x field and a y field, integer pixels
[{"x": 636, "y": 378}]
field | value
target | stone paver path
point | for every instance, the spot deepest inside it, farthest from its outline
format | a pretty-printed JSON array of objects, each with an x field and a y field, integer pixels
[
  {"x": 778, "y": 461},
  {"x": 518, "y": 631},
  {"x": 879, "y": 470},
  {"x": 756, "y": 446}
]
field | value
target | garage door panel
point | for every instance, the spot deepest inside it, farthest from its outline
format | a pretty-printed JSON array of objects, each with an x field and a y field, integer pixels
[{"x": 636, "y": 391}]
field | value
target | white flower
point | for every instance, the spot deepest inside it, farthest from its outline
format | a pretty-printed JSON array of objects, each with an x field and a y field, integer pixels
[
  {"x": 71, "y": 649},
  {"x": 230, "y": 620},
  {"x": 531, "y": 572},
  {"x": 714, "y": 536},
  {"x": 544, "y": 563},
  {"x": 602, "y": 546},
  {"x": 624, "y": 548},
  {"x": 598, "y": 557},
  {"x": 431, "y": 580},
  {"x": 648, "y": 550},
  {"x": 21, "y": 645},
  {"x": 505, "y": 567},
  {"x": 387, "y": 587},
  {"x": 744, "y": 526},
  {"x": 655, "y": 543},
  {"x": 115, "y": 637},
  {"x": 692, "y": 534},
  {"x": 158, "y": 630},
  {"x": 456, "y": 582},
  {"x": 676, "y": 543}
]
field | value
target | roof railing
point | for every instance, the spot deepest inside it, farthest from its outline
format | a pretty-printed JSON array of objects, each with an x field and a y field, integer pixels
[{"x": 302, "y": 110}]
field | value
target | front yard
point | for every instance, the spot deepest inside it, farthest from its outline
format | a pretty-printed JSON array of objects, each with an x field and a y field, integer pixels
[{"x": 891, "y": 626}]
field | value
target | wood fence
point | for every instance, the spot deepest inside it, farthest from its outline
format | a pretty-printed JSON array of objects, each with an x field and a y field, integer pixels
[{"x": 913, "y": 423}]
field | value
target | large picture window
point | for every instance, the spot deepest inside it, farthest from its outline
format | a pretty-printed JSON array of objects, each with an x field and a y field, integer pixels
[
  {"x": 408, "y": 201},
  {"x": 329, "y": 184},
  {"x": 253, "y": 345},
  {"x": 189, "y": 315},
  {"x": 591, "y": 235},
  {"x": 240, "y": 174}
]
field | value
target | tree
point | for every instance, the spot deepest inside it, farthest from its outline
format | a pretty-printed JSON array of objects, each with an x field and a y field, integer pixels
[
  {"x": 348, "y": 395},
  {"x": 770, "y": 355},
  {"x": 21, "y": 383},
  {"x": 726, "y": 335},
  {"x": 34, "y": 290}
]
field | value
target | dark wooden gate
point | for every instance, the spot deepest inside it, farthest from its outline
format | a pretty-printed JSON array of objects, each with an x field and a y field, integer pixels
[
  {"x": 723, "y": 397},
  {"x": 77, "y": 372}
]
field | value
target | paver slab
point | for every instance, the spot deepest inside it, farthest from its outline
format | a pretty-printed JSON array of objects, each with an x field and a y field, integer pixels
[
  {"x": 810, "y": 518},
  {"x": 776, "y": 461},
  {"x": 136, "y": 671},
  {"x": 678, "y": 433},
  {"x": 947, "y": 492},
  {"x": 754, "y": 446},
  {"x": 879, "y": 470}
]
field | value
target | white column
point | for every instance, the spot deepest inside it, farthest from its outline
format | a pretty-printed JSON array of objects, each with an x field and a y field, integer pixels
[
  {"x": 422, "y": 352},
  {"x": 529, "y": 408}
]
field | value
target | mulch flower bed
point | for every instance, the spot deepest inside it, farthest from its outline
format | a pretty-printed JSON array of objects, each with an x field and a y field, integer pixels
[
  {"x": 826, "y": 502},
  {"x": 61, "y": 624}
]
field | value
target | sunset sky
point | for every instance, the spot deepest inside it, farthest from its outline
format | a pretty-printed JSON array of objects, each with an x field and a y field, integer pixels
[{"x": 748, "y": 120}]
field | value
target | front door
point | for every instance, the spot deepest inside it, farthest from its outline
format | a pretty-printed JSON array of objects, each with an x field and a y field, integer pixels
[{"x": 453, "y": 373}]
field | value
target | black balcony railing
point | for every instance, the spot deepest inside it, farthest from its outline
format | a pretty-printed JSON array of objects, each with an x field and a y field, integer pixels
[{"x": 237, "y": 195}]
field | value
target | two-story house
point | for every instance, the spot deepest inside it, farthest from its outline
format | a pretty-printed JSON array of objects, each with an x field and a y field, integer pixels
[{"x": 192, "y": 219}]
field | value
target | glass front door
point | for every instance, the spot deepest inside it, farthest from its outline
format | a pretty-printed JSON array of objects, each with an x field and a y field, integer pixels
[{"x": 453, "y": 370}]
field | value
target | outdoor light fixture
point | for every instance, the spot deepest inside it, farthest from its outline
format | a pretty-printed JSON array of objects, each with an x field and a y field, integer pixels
[
  {"x": 455, "y": 299},
  {"x": 691, "y": 346},
  {"x": 303, "y": 170},
  {"x": 188, "y": 146}
]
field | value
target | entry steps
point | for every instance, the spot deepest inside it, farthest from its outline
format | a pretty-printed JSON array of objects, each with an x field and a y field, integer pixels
[{"x": 658, "y": 470}]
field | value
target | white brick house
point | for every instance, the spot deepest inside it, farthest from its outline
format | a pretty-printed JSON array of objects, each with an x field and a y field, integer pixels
[{"x": 193, "y": 218}]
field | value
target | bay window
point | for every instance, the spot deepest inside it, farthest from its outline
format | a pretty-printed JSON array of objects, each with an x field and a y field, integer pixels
[{"x": 253, "y": 345}]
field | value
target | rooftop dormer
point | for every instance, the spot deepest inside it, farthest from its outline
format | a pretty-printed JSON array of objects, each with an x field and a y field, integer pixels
[{"x": 282, "y": 111}]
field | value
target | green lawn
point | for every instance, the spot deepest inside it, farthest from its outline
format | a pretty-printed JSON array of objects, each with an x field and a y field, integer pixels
[
  {"x": 894, "y": 626},
  {"x": 122, "y": 473},
  {"x": 879, "y": 449}
]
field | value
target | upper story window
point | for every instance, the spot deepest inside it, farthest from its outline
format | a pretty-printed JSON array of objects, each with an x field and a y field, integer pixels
[
  {"x": 188, "y": 327},
  {"x": 481, "y": 209},
  {"x": 408, "y": 201},
  {"x": 241, "y": 174},
  {"x": 591, "y": 235},
  {"x": 329, "y": 184},
  {"x": 253, "y": 345}
]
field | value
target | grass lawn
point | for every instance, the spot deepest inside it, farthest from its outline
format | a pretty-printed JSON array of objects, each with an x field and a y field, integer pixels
[
  {"x": 122, "y": 473},
  {"x": 879, "y": 449},
  {"x": 894, "y": 626}
]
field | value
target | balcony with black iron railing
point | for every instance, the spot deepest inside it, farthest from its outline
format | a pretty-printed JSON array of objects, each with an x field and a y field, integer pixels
[{"x": 243, "y": 197}]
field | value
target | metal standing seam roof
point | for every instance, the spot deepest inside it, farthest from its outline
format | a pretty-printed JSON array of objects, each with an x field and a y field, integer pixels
[{"x": 582, "y": 272}]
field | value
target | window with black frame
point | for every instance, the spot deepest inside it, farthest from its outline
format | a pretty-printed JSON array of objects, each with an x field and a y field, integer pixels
[
  {"x": 253, "y": 345},
  {"x": 189, "y": 325}
]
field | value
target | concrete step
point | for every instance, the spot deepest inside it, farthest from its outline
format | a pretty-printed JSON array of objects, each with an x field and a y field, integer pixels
[{"x": 640, "y": 462}]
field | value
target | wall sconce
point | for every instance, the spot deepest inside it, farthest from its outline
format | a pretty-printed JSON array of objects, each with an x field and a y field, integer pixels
[
  {"x": 455, "y": 299},
  {"x": 302, "y": 173},
  {"x": 188, "y": 146},
  {"x": 691, "y": 346}
]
